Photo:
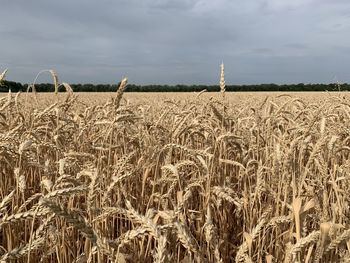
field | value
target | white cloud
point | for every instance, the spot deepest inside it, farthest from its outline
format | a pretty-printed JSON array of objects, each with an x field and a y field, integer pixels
[{"x": 177, "y": 41}]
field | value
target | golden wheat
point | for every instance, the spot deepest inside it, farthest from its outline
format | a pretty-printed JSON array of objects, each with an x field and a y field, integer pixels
[{"x": 174, "y": 178}]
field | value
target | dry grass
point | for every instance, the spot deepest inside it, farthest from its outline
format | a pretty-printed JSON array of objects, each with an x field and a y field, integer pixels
[{"x": 187, "y": 178}]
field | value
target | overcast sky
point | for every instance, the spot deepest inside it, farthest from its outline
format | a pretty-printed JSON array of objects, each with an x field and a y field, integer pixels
[{"x": 177, "y": 41}]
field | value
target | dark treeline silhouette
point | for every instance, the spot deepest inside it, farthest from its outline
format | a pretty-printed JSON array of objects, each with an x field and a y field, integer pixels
[{"x": 48, "y": 87}]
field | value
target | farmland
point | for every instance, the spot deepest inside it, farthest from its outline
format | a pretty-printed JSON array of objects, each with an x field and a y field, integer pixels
[
  {"x": 233, "y": 98},
  {"x": 172, "y": 177}
]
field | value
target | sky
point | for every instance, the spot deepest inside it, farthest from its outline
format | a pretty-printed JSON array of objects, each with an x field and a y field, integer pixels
[{"x": 176, "y": 41}]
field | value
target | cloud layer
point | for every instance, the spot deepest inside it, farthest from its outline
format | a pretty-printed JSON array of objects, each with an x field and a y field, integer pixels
[{"x": 182, "y": 41}]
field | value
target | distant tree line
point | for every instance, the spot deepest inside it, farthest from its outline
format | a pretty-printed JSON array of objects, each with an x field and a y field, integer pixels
[{"x": 48, "y": 87}]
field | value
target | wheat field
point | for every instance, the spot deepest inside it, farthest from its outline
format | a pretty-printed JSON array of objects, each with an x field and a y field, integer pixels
[{"x": 175, "y": 177}]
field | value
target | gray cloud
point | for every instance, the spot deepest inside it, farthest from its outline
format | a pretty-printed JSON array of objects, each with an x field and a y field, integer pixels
[{"x": 182, "y": 41}]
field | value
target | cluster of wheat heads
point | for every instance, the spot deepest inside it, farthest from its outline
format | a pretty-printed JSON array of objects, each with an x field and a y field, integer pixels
[{"x": 180, "y": 181}]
